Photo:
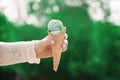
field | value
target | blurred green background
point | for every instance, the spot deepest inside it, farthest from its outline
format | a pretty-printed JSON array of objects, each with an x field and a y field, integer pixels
[{"x": 94, "y": 45}]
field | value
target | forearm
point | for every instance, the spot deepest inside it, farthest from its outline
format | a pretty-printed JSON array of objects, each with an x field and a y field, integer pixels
[{"x": 17, "y": 52}]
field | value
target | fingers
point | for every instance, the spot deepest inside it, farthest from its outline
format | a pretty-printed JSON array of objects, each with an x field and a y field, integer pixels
[
  {"x": 66, "y": 36},
  {"x": 64, "y": 46},
  {"x": 49, "y": 41}
]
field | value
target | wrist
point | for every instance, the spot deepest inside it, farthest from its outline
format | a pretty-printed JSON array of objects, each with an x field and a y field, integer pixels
[{"x": 36, "y": 47}]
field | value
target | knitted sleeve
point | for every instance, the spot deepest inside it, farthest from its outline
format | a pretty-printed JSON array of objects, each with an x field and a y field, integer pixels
[{"x": 17, "y": 52}]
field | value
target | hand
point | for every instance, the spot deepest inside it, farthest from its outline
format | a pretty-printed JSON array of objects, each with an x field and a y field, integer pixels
[{"x": 43, "y": 47}]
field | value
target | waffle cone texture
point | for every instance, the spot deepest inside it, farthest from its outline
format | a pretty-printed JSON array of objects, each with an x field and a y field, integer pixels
[{"x": 57, "y": 47}]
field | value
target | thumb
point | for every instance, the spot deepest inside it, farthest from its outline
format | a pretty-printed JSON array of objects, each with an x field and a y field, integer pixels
[{"x": 48, "y": 41}]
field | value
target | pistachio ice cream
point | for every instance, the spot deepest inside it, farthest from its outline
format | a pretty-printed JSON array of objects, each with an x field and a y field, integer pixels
[{"x": 55, "y": 26}]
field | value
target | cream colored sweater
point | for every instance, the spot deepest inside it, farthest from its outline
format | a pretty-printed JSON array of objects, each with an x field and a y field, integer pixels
[{"x": 17, "y": 52}]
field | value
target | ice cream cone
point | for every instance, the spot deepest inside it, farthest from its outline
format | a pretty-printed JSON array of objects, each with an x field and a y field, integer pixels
[{"x": 57, "y": 47}]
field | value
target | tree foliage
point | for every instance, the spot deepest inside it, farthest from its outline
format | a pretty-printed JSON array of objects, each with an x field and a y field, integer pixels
[{"x": 93, "y": 52}]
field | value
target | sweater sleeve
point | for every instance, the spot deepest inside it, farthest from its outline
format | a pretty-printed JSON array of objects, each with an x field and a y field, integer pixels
[{"x": 17, "y": 52}]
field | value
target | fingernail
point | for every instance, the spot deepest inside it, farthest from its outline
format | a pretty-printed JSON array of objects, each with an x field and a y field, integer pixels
[
  {"x": 52, "y": 41},
  {"x": 63, "y": 46}
]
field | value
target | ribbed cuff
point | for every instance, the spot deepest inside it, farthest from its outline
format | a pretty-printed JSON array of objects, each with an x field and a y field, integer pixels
[{"x": 32, "y": 55}]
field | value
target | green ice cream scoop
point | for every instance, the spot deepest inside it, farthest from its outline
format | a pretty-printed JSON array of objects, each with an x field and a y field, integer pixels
[{"x": 55, "y": 26}]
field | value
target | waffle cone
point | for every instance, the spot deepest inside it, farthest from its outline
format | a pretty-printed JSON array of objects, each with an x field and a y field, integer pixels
[{"x": 57, "y": 47}]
